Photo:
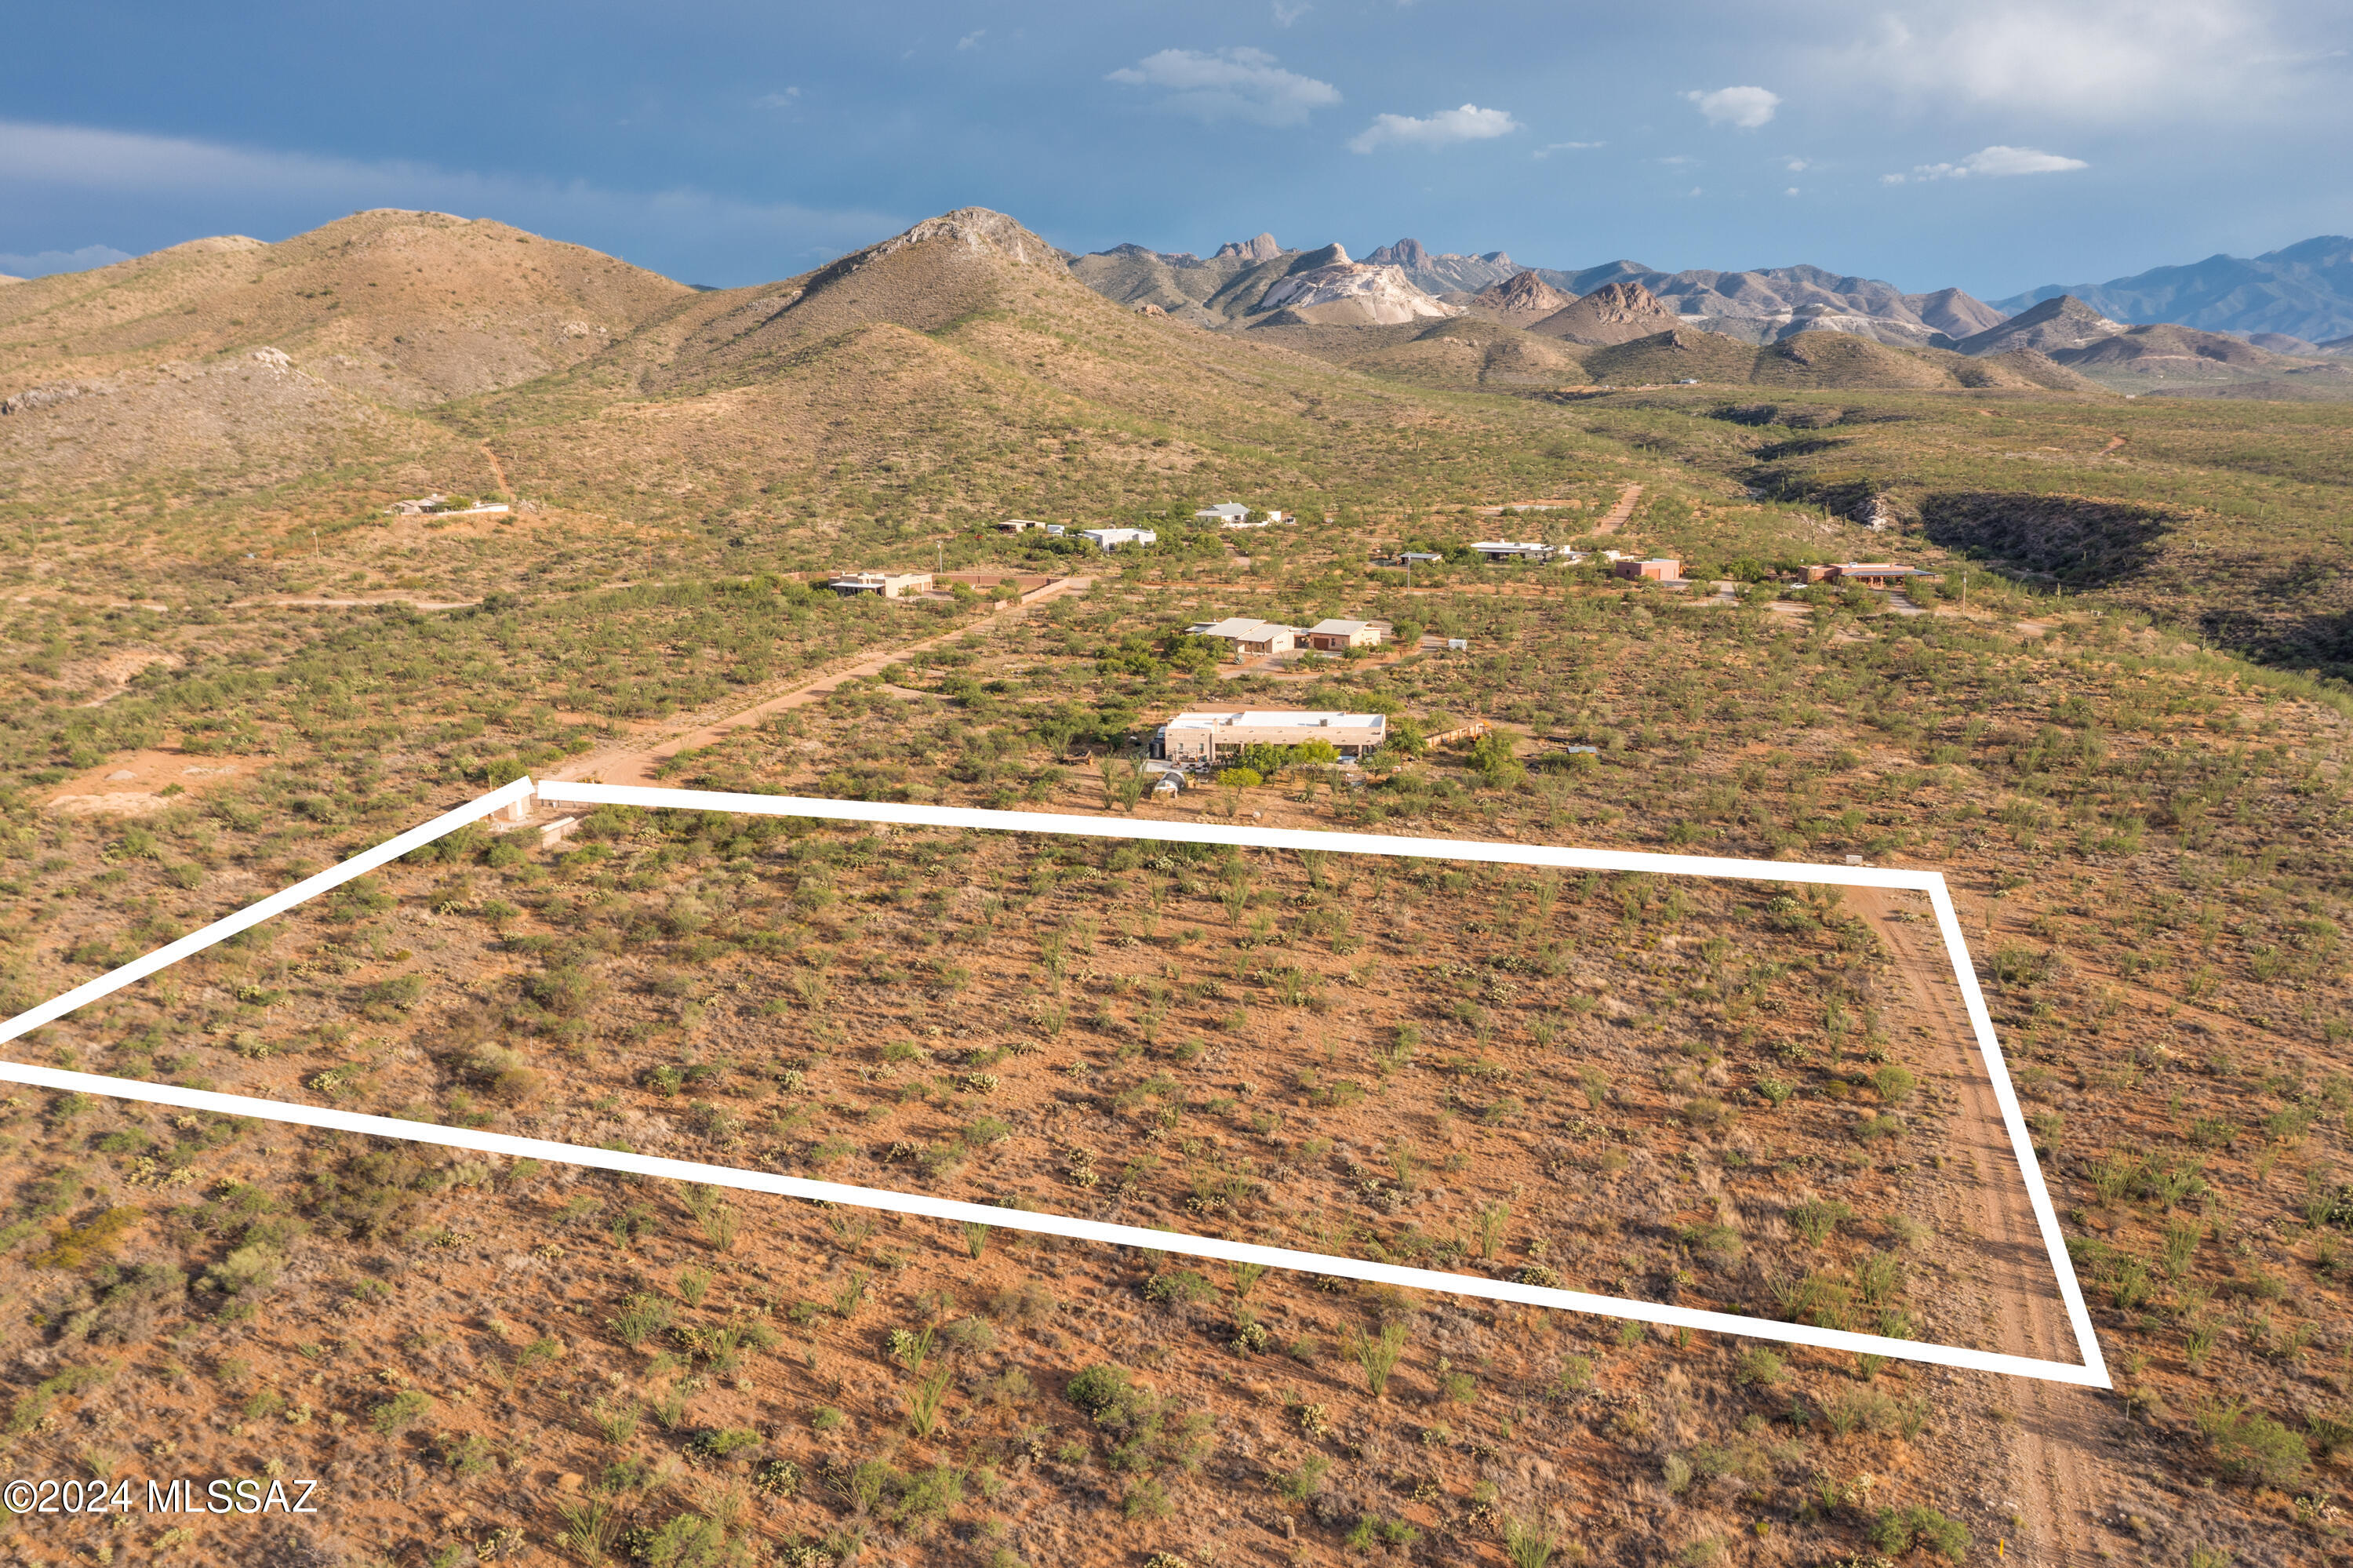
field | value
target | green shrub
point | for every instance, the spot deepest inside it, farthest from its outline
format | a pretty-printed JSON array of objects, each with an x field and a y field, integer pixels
[
  {"x": 2251, "y": 1447},
  {"x": 401, "y": 1412},
  {"x": 1898, "y": 1530}
]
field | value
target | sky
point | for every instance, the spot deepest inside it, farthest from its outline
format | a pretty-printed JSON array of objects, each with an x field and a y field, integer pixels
[{"x": 1995, "y": 145}]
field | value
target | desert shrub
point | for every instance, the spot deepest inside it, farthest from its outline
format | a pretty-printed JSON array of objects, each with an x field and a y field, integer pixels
[
  {"x": 401, "y": 1412},
  {"x": 641, "y": 1318},
  {"x": 2251, "y": 1447},
  {"x": 1898, "y": 1530},
  {"x": 1180, "y": 1287}
]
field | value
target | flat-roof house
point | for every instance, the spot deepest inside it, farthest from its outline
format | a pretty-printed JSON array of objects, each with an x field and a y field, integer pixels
[
  {"x": 1867, "y": 574},
  {"x": 1204, "y": 739},
  {"x": 1248, "y": 637},
  {"x": 1425, "y": 556},
  {"x": 1112, "y": 538},
  {"x": 1514, "y": 550},
  {"x": 1663, "y": 569},
  {"x": 1225, "y": 513},
  {"x": 1333, "y": 636},
  {"x": 1018, "y": 526},
  {"x": 890, "y": 585}
]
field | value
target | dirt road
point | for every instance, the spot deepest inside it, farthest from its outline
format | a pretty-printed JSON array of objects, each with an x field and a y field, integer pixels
[
  {"x": 2053, "y": 1486},
  {"x": 1619, "y": 514},
  {"x": 633, "y": 760}
]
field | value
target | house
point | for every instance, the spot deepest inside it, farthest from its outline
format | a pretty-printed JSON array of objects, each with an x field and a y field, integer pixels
[
  {"x": 1424, "y": 557},
  {"x": 1055, "y": 530},
  {"x": 1206, "y": 739},
  {"x": 1514, "y": 550},
  {"x": 1282, "y": 516},
  {"x": 1225, "y": 514},
  {"x": 1865, "y": 574},
  {"x": 1337, "y": 636},
  {"x": 1248, "y": 637},
  {"x": 1112, "y": 538},
  {"x": 1018, "y": 526},
  {"x": 1657, "y": 570},
  {"x": 890, "y": 585}
]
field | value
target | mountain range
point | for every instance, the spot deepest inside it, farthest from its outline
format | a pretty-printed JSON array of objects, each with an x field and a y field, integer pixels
[
  {"x": 2288, "y": 301},
  {"x": 2302, "y": 291}
]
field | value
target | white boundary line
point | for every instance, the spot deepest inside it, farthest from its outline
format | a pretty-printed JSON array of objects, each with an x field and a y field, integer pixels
[{"x": 2092, "y": 1373}]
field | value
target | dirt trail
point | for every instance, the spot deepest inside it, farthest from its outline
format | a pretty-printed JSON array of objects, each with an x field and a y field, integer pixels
[
  {"x": 634, "y": 761},
  {"x": 2053, "y": 1487},
  {"x": 498, "y": 468},
  {"x": 1620, "y": 513},
  {"x": 293, "y": 602}
]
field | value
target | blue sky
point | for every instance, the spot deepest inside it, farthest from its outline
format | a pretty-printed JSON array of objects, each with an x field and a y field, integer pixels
[{"x": 1994, "y": 145}]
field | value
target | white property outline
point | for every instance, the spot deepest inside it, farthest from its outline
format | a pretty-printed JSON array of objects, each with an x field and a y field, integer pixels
[{"x": 2091, "y": 1373}]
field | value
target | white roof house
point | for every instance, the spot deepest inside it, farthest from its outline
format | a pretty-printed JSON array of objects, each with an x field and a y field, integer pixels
[
  {"x": 1332, "y": 634},
  {"x": 1226, "y": 514},
  {"x": 1112, "y": 538},
  {"x": 1203, "y": 738},
  {"x": 1514, "y": 550},
  {"x": 1251, "y": 636},
  {"x": 890, "y": 585}
]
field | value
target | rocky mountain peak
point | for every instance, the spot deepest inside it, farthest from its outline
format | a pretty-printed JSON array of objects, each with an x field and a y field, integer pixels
[
  {"x": 1263, "y": 249},
  {"x": 1523, "y": 294}
]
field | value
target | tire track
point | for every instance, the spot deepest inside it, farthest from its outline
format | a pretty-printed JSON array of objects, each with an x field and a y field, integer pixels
[{"x": 2054, "y": 1483}]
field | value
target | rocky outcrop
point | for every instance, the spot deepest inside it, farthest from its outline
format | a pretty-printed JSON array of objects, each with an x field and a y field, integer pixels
[
  {"x": 48, "y": 396},
  {"x": 1263, "y": 249},
  {"x": 1444, "y": 271},
  {"x": 1341, "y": 292},
  {"x": 1523, "y": 297},
  {"x": 1613, "y": 313}
]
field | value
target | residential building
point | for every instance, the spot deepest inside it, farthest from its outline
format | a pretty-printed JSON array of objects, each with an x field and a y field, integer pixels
[
  {"x": 1018, "y": 526},
  {"x": 1112, "y": 538},
  {"x": 1206, "y": 739},
  {"x": 890, "y": 585},
  {"x": 1422, "y": 558},
  {"x": 1337, "y": 636},
  {"x": 1249, "y": 638},
  {"x": 1225, "y": 514},
  {"x": 1657, "y": 570},
  {"x": 1272, "y": 516},
  {"x": 1866, "y": 574},
  {"x": 1514, "y": 550}
]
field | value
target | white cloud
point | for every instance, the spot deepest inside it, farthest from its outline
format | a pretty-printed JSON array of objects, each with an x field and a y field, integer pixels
[
  {"x": 1798, "y": 165},
  {"x": 41, "y": 263},
  {"x": 1230, "y": 84},
  {"x": 1286, "y": 15},
  {"x": 972, "y": 40},
  {"x": 1990, "y": 163},
  {"x": 1743, "y": 108},
  {"x": 242, "y": 183},
  {"x": 1551, "y": 147},
  {"x": 1791, "y": 191},
  {"x": 2114, "y": 61},
  {"x": 1443, "y": 128},
  {"x": 788, "y": 99}
]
